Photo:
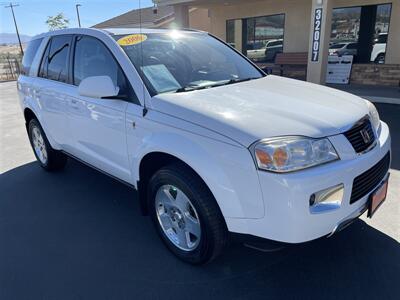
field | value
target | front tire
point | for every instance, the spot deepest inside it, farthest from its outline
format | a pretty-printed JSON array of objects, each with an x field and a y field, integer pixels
[
  {"x": 48, "y": 158},
  {"x": 186, "y": 215}
]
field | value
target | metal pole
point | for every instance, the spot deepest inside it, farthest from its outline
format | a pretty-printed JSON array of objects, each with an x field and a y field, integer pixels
[
  {"x": 77, "y": 13},
  {"x": 15, "y": 23}
]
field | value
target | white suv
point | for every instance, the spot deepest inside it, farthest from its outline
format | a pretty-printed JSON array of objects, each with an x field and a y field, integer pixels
[{"x": 213, "y": 145}]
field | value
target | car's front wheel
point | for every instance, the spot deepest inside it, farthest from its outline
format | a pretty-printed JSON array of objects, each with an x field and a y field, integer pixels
[
  {"x": 47, "y": 157},
  {"x": 186, "y": 214}
]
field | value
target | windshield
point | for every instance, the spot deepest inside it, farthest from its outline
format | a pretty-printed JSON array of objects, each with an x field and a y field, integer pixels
[{"x": 177, "y": 61}]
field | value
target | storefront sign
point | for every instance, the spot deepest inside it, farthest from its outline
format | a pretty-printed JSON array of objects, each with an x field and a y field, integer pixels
[
  {"x": 339, "y": 69},
  {"x": 316, "y": 34}
]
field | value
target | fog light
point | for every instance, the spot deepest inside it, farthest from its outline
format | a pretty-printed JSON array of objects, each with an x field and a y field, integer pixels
[{"x": 327, "y": 199}]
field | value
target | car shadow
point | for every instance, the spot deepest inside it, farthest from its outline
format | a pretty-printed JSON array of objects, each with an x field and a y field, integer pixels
[
  {"x": 78, "y": 234},
  {"x": 390, "y": 113}
]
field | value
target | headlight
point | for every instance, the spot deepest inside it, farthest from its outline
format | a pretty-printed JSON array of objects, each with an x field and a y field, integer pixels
[
  {"x": 288, "y": 154},
  {"x": 374, "y": 115}
]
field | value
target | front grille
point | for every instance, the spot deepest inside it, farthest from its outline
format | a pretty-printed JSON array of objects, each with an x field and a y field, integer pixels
[
  {"x": 361, "y": 136},
  {"x": 367, "y": 181}
]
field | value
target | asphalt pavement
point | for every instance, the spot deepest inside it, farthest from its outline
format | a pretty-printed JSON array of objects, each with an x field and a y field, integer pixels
[{"x": 78, "y": 234}]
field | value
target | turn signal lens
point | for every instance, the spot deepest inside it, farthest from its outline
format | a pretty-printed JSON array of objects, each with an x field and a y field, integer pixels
[
  {"x": 288, "y": 154},
  {"x": 263, "y": 157},
  {"x": 280, "y": 157}
]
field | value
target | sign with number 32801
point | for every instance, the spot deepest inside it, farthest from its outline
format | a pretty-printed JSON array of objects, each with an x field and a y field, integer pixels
[{"x": 316, "y": 34}]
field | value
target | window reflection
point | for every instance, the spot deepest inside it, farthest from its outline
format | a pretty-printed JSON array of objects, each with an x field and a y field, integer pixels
[
  {"x": 352, "y": 33},
  {"x": 259, "y": 38}
]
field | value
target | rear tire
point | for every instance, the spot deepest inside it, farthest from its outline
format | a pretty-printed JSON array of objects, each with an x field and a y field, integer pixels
[
  {"x": 380, "y": 59},
  {"x": 176, "y": 182},
  {"x": 48, "y": 158}
]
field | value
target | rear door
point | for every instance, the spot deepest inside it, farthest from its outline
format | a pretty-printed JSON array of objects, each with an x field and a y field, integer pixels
[
  {"x": 52, "y": 87},
  {"x": 26, "y": 80},
  {"x": 98, "y": 125}
]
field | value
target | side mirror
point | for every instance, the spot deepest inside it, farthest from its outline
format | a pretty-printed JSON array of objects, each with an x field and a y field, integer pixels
[{"x": 98, "y": 87}]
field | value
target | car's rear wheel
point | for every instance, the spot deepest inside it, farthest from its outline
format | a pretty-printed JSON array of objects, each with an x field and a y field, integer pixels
[
  {"x": 380, "y": 59},
  {"x": 47, "y": 157},
  {"x": 186, "y": 214}
]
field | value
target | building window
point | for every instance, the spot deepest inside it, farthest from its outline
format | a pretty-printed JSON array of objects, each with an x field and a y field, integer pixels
[
  {"x": 361, "y": 31},
  {"x": 230, "y": 32},
  {"x": 260, "y": 39}
]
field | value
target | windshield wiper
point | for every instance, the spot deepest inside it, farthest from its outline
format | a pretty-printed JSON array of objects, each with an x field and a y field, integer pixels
[
  {"x": 191, "y": 88},
  {"x": 236, "y": 80},
  {"x": 220, "y": 83}
]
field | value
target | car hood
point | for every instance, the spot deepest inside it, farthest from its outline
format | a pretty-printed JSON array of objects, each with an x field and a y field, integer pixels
[{"x": 267, "y": 107}]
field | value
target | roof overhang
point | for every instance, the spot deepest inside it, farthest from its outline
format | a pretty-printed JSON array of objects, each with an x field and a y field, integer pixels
[{"x": 171, "y": 2}]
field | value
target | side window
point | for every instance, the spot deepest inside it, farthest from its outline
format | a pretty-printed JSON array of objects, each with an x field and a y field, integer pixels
[
  {"x": 54, "y": 64},
  {"x": 29, "y": 55},
  {"x": 44, "y": 62},
  {"x": 92, "y": 58}
]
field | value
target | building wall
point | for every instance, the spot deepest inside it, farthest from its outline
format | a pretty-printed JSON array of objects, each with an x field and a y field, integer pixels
[
  {"x": 373, "y": 74},
  {"x": 297, "y": 19},
  {"x": 199, "y": 19}
]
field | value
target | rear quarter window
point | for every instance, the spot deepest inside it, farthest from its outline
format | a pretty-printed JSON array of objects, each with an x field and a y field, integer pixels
[
  {"x": 55, "y": 61},
  {"x": 29, "y": 55}
]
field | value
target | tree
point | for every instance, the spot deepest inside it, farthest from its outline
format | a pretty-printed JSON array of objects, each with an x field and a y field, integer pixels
[{"x": 58, "y": 21}]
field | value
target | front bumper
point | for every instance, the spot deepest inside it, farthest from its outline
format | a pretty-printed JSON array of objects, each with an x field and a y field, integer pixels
[{"x": 286, "y": 197}]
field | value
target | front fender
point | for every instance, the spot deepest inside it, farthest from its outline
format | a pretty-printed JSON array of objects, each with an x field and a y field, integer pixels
[{"x": 228, "y": 170}]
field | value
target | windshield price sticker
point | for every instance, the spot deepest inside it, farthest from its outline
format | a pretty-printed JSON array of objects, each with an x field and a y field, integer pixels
[
  {"x": 132, "y": 39},
  {"x": 316, "y": 34}
]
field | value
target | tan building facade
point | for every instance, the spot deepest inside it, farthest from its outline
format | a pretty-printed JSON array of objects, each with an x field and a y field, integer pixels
[{"x": 300, "y": 19}]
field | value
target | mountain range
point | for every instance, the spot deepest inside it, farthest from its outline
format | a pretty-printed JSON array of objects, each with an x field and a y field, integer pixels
[{"x": 11, "y": 38}]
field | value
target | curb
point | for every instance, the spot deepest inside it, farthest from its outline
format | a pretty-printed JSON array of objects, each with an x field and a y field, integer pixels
[{"x": 385, "y": 100}]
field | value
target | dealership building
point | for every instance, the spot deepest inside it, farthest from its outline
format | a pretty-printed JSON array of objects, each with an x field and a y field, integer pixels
[{"x": 293, "y": 35}]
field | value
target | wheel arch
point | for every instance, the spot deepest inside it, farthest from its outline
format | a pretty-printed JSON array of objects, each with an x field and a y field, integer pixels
[
  {"x": 149, "y": 165},
  {"x": 29, "y": 115},
  {"x": 227, "y": 171}
]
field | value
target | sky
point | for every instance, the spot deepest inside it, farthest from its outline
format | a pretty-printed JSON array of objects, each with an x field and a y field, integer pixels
[{"x": 31, "y": 15}]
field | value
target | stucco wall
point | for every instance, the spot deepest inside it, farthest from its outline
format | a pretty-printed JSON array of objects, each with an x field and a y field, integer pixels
[
  {"x": 298, "y": 20},
  {"x": 199, "y": 19}
]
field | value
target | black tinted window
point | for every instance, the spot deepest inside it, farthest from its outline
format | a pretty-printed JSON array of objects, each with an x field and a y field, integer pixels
[
  {"x": 382, "y": 39},
  {"x": 92, "y": 58},
  {"x": 55, "y": 61},
  {"x": 278, "y": 43},
  {"x": 29, "y": 55}
]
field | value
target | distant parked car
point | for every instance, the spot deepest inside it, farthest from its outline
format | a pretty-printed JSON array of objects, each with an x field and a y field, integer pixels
[
  {"x": 379, "y": 50},
  {"x": 272, "y": 48},
  {"x": 256, "y": 51},
  {"x": 340, "y": 49}
]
